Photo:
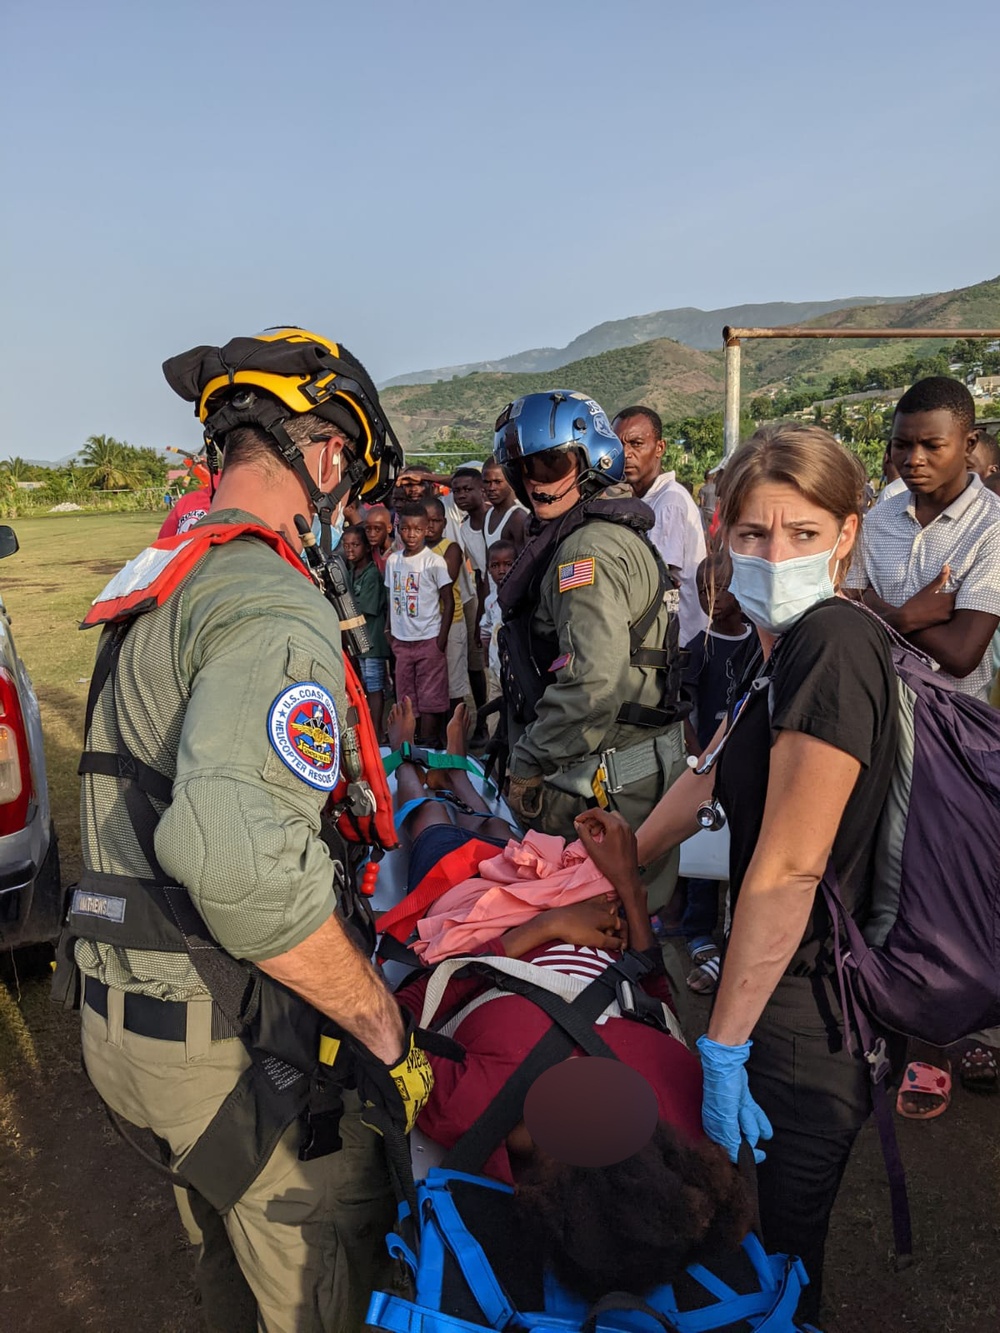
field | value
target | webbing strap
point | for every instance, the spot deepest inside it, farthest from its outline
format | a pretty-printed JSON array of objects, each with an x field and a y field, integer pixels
[
  {"x": 572, "y": 1027},
  {"x": 233, "y": 986},
  {"x": 483, "y": 1282},
  {"x": 642, "y": 715}
]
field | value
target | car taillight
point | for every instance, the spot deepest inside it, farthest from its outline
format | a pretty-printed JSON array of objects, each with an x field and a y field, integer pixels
[{"x": 15, "y": 765}]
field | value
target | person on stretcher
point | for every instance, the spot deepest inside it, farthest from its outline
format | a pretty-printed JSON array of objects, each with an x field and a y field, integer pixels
[{"x": 631, "y": 1224}]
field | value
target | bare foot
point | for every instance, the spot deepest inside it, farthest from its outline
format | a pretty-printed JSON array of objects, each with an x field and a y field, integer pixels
[
  {"x": 458, "y": 731},
  {"x": 401, "y": 725}
]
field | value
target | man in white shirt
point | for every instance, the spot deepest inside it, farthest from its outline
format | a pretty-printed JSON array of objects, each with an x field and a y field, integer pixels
[
  {"x": 929, "y": 558},
  {"x": 677, "y": 533}
]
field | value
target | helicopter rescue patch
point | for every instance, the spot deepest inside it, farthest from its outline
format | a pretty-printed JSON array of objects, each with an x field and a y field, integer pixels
[{"x": 302, "y": 727}]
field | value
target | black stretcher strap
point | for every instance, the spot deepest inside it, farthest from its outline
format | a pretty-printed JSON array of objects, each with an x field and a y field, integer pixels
[{"x": 573, "y": 1026}]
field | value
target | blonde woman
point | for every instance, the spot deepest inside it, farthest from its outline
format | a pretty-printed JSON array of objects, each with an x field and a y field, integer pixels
[{"x": 801, "y": 771}]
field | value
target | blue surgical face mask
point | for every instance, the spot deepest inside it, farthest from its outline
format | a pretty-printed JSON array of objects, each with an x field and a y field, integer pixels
[
  {"x": 336, "y": 532},
  {"x": 776, "y": 594}
]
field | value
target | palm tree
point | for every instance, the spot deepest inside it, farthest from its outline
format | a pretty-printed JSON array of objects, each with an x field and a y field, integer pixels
[
  {"x": 17, "y": 468},
  {"x": 108, "y": 465},
  {"x": 868, "y": 423},
  {"x": 839, "y": 422}
]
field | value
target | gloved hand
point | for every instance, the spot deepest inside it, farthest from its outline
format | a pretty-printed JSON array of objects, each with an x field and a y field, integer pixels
[
  {"x": 524, "y": 796},
  {"x": 727, "y": 1110},
  {"x": 396, "y": 1093}
]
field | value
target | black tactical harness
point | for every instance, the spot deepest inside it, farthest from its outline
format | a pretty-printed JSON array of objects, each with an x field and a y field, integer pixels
[
  {"x": 285, "y": 1080},
  {"x": 526, "y": 657}
]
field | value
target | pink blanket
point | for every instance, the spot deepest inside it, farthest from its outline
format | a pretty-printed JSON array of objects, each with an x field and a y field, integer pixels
[{"x": 524, "y": 879}]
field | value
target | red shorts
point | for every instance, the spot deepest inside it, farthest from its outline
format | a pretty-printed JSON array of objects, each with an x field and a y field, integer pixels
[{"x": 421, "y": 674}]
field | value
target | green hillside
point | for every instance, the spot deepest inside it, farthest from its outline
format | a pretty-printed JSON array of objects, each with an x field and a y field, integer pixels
[
  {"x": 807, "y": 364},
  {"x": 685, "y": 382},
  {"x": 674, "y": 379}
]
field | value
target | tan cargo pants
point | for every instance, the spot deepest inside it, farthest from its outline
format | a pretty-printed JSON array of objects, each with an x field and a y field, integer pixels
[{"x": 305, "y": 1245}]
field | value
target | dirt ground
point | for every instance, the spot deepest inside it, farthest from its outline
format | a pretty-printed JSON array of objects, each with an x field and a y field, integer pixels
[{"x": 89, "y": 1239}]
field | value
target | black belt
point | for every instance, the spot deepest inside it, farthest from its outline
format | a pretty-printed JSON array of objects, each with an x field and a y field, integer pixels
[{"x": 146, "y": 1016}]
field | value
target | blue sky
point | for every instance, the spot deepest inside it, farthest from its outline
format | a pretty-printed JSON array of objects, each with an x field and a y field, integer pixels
[{"x": 443, "y": 180}]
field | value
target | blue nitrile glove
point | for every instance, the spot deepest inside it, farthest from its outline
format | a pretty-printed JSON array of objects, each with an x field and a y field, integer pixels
[{"x": 727, "y": 1109}]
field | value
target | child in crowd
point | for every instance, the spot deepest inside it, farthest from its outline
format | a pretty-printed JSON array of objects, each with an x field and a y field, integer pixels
[
  {"x": 370, "y": 598},
  {"x": 458, "y": 637},
  {"x": 420, "y": 619},
  {"x": 706, "y": 682},
  {"x": 502, "y": 555}
]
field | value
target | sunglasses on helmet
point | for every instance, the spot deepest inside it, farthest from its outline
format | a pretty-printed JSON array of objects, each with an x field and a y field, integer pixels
[{"x": 548, "y": 466}]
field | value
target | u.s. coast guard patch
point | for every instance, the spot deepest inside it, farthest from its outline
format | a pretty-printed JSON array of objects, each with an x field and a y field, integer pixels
[{"x": 302, "y": 727}]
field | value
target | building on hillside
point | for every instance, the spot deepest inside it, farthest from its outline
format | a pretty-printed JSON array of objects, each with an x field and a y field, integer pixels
[{"x": 986, "y": 386}]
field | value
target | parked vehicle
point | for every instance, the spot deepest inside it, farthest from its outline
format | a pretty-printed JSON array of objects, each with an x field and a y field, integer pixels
[{"x": 30, "y": 889}]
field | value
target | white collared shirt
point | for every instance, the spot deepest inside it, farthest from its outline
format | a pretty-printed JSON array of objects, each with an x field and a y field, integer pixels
[
  {"x": 898, "y": 557},
  {"x": 679, "y": 537}
]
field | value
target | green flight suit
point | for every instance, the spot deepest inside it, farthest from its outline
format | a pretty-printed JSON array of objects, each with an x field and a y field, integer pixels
[
  {"x": 193, "y": 697},
  {"x": 600, "y": 580}
]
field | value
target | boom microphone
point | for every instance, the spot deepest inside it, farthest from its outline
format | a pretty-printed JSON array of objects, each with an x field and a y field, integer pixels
[{"x": 543, "y": 497}]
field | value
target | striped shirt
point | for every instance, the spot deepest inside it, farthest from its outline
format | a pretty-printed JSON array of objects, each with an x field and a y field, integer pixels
[{"x": 898, "y": 557}]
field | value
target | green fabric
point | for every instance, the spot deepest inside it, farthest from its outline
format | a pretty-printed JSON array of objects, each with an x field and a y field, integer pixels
[
  {"x": 429, "y": 759},
  {"x": 576, "y": 715},
  {"x": 196, "y": 681},
  {"x": 307, "y": 1236},
  {"x": 372, "y": 601}
]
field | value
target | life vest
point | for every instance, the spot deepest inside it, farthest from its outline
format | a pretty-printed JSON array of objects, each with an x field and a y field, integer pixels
[{"x": 360, "y": 803}]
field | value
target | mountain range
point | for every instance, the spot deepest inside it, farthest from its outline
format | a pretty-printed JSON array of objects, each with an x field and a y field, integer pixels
[
  {"x": 678, "y": 380},
  {"x": 689, "y": 325}
]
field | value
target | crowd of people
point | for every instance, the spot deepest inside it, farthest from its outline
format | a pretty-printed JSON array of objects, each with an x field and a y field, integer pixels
[{"x": 606, "y": 637}]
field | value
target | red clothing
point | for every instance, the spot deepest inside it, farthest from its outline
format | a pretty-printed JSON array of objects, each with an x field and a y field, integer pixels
[
  {"x": 188, "y": 511},
  {"x": 499, "y": 1034}
]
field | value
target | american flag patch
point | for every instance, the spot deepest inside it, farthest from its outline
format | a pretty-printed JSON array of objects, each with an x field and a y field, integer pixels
[
  {"x": 579, "y": 574},
  {"x": 561, "y": 662}
]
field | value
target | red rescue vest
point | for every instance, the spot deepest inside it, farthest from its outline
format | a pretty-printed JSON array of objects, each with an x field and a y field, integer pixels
[{"x": 154, "y": 575}]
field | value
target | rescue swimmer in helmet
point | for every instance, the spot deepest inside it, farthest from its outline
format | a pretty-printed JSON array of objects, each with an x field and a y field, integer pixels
[
  {"x": 589, "y": 656},
  {"x": 228, "y": 1001}
]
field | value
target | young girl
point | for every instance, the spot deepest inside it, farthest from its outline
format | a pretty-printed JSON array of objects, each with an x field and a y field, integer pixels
[{"x": 370, "y": 596}]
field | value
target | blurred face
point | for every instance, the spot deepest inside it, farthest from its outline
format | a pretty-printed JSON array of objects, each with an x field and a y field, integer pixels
[
  {"x": 643, "y": 452},
  {"x": 550, "y": 481},
  {"x": 413, "y": 534},
  {"x": 435, "y": 525},
  {"x": 500, "y": 566},
  {"x": 467, "y": 493},
  {"x": 354, "y": 548},
  {"x": 496, "y": 488},
  {"x": 778, "y": 523},
  {"x": 378, "y": 528},
  {"x": 931, "y": 450}
]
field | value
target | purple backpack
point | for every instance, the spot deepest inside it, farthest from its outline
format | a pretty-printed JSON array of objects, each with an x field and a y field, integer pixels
[{"x": 927, "y": 963}]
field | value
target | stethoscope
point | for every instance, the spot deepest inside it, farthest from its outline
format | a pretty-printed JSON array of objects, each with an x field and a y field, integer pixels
[{"x": 710, "y": 814}]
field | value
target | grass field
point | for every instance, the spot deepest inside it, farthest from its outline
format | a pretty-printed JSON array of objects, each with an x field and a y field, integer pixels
[
  {"x": 89, "y": 1239},
  {"x": 64, "y": 562}
]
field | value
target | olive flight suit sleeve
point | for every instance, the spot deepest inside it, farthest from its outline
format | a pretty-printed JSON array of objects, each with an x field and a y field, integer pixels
[
  {"x": 597, "y": 584},
  {"x": 242, "y": 830}
]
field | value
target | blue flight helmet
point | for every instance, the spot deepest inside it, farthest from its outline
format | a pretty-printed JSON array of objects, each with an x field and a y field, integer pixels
[{"x": 560, "y": 419}]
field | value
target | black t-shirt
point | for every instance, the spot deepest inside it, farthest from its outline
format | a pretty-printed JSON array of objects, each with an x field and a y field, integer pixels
[{"x": 831, "y": 677}]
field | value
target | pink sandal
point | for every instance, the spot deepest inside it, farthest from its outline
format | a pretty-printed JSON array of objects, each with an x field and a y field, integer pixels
[{"x": 927, "y": 1081}]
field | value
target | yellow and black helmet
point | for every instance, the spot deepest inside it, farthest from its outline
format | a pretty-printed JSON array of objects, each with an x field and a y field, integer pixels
[{"x": 283, "y": 372}]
